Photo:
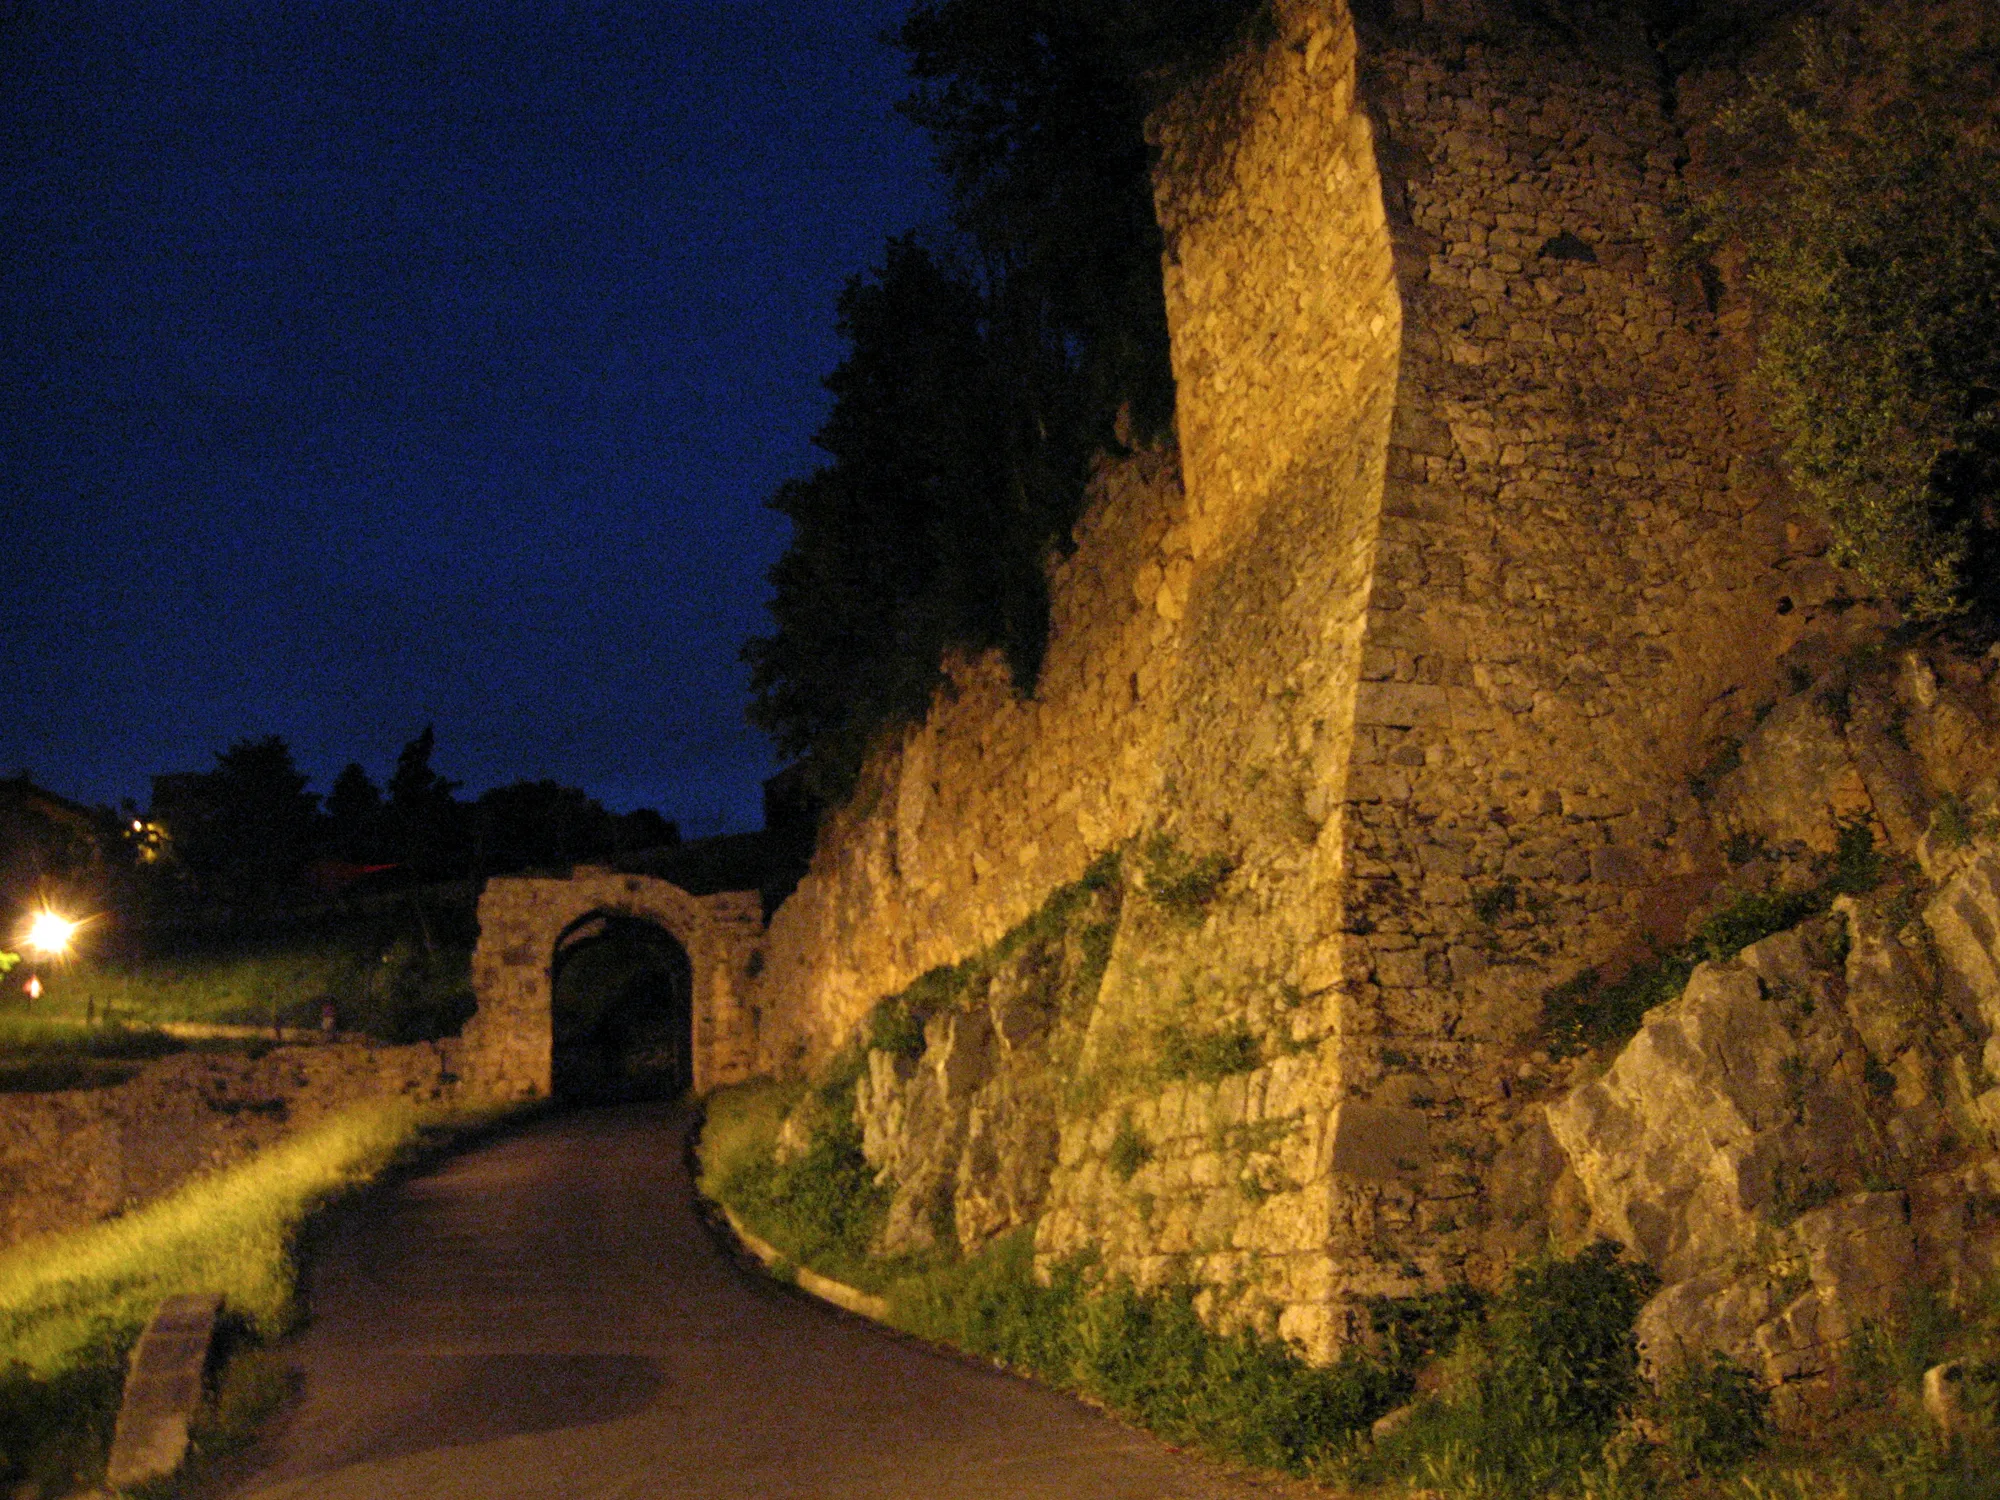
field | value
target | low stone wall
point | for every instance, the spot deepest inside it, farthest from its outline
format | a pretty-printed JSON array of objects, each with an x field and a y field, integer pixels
[{"x": 70, "y": 1159}]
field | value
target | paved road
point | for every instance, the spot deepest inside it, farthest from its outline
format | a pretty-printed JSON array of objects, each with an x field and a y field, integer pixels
[{"x": 546, "y": 1315}]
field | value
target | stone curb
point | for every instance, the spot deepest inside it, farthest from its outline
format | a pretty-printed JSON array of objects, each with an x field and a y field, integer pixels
[
  {"x": 162, "y": 1391},
  {"x": 841, "y": 1295}
]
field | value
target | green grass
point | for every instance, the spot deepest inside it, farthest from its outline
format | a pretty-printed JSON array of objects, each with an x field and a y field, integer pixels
[
  {"x": 1146, "y": 1355},
  {"x": 1187, "y": 1052},
  {"x": 1130, "y": 1150},
  {"x": 64, "y": 1299},
  {"x": 1550, "y": 1360},
  {"x": 822, "y": 1207},
  {"x": 1182, "y": 885},
  {"x": 40, "y": 1054},
  {"x": 71, "y": 1305},
  {"x": 396, "y": 993},
  {"x": 1533, "y": 1389}
]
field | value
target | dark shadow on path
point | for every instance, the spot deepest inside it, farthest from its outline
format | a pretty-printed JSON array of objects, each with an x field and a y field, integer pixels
[{"x": 477, "y": 1398}]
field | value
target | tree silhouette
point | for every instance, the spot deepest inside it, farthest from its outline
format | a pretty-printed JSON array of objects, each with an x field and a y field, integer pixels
[{"x": 245, "y": 830}]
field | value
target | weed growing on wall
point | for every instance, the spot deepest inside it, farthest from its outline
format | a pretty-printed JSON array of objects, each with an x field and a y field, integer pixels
[
  {"x": 1954, "y": 824},
  {"x": 1188, "y": 1052},
  {"x": 1129, "y": 1151},
  {"x": 1587, "y": 1011},
  {"x": 1080, "y": 950},
  {"x": 1181, "y": 885}
]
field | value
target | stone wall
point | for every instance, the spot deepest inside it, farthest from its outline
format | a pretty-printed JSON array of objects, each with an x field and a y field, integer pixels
[
  {"x": 963, "y": 825},
  {"x": 69, "y": 1159},
  {"x": 1475, "y": 561}
]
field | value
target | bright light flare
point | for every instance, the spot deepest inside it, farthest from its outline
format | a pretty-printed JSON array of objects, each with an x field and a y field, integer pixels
[{"x": 49, "y": 933}]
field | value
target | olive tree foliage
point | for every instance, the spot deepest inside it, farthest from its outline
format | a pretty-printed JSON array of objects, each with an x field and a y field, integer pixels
[{"x": 1873, "y": 247}]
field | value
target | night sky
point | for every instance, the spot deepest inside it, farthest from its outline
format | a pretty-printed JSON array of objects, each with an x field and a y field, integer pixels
[{"x": 366, "y": 365}]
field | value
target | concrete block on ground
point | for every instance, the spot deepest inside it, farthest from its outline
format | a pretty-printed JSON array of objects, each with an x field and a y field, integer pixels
[{"x": 162, "y": 1390}]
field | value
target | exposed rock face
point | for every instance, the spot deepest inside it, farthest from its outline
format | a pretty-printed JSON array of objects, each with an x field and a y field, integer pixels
[
  {"x": 1964, "y": 919},
  {"x": 1742, "y": 1099},
  {"x": 1793, "y": 1143},
  {"x": 967, "y": 1129}
]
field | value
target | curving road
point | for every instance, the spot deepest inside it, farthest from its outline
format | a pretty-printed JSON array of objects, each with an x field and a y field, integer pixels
[{"x": 547, "y": 1316}]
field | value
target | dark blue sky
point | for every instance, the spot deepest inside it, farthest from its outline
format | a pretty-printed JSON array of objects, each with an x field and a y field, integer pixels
[{"x": 364, "y": 365}]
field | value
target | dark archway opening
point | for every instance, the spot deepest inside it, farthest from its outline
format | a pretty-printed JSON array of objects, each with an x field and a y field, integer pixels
[{"x": 622, "y": 1004}]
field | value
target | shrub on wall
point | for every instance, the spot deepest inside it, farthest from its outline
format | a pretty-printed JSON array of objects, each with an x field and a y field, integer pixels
[{"x": 1873, "y": 251}]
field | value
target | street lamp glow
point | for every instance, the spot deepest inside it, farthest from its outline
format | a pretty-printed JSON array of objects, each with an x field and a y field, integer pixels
[{"x": 49, "y": 933}]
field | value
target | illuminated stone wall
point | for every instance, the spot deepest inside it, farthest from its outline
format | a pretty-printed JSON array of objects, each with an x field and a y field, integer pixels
[{"x": 1466, "y": 559}]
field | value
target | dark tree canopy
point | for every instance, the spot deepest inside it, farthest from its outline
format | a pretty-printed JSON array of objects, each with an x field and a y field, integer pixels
[
  {"x": 978, "y": 382},
  {"x": 950, "y": 474},
  {"x": 245, "y": 829},
  {"x": 1038, "y": 108}
]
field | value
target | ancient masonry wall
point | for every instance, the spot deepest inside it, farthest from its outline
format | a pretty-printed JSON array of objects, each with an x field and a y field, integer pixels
[
  {"x": 69, "y": 1159},
  {"x": 1474, "y": 564},
  {"x": 1584, "y": 579},
  {"x": 963, "y": 826}
]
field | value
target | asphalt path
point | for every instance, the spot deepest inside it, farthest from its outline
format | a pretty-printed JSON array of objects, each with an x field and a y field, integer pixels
[{"x": 547, "y": 1314}]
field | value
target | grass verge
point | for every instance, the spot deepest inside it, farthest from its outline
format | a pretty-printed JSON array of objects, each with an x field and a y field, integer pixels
[
  {"x": 380, "y": 980},
  {"x": 1553, "y": 1352},
  {"x": 72, "y": 1305}
]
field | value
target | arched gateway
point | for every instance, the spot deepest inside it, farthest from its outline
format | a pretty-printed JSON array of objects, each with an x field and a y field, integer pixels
[{"x": 527, "y": 922}]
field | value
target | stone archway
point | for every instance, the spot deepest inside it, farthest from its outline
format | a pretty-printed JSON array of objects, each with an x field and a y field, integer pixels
[
  {"x": 622, "y": 1011},
  {"x": 507, "y": 1049}
]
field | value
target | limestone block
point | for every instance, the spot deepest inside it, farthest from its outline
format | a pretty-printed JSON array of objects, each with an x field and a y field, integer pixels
[
  {"x": 1719, "y": 1310},
  {"x": 1797, "y": 780},
  {"x": 1792, "y": 1345},
  {"x": 162, "y": 1391},
  {"x": 1884, "y": 983},
  {"x": 1964, "y": 919},
  {"x": 1732, "y": 1099},
  {"x": 1400, "y": 704},
  {"x": 1860, "y": 1251},
  {"x": 1377, "y": 1142},
  {"x": 1010, "y": 1150},
  {"x": 1890, "y": 770},
  {"x": 1944, "y": 1396}
]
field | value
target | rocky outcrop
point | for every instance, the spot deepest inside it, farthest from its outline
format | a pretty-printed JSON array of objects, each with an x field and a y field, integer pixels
[
  {"x": 964, "y": 1125},
  {"x": 1741, "y": 1102},
  {"x": 1802, "y": 1137}
]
